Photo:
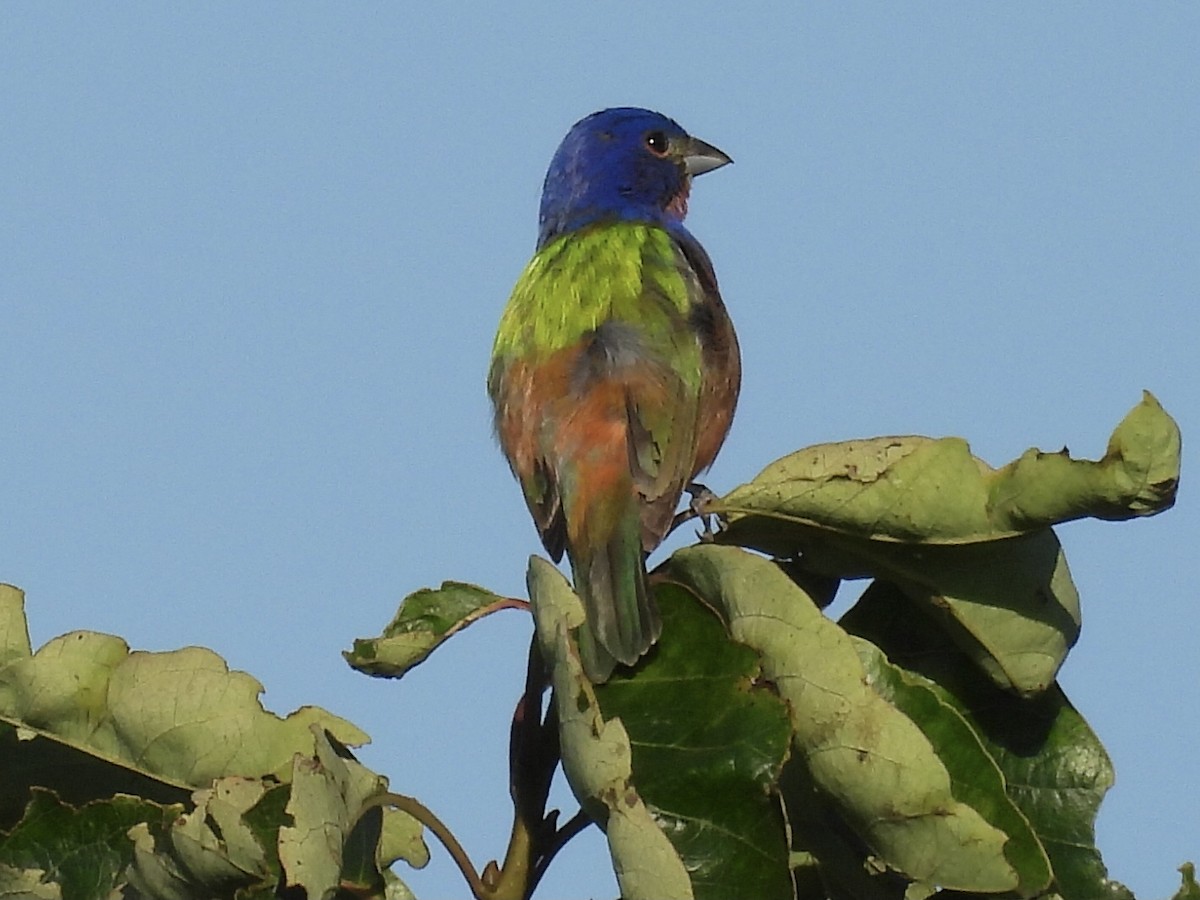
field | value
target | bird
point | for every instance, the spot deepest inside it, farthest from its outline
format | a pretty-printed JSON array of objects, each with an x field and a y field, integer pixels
[{"x": 615, "y": 370}]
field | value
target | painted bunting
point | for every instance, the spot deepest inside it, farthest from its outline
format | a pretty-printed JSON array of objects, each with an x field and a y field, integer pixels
[{"x": 615, "y": 370}]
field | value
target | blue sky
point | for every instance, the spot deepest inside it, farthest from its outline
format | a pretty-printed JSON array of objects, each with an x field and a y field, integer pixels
[{"x": 254, "y": 256}]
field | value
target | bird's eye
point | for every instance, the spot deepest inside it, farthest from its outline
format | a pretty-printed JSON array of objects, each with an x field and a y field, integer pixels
[{"x": 656, "y": 143}]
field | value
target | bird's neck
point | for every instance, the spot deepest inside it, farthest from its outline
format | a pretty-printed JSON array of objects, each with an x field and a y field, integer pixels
[{"x": 557, "y": 219}]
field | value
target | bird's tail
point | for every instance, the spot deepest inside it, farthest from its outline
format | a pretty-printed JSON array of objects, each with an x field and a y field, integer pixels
[{"x": 622, "y": 620}]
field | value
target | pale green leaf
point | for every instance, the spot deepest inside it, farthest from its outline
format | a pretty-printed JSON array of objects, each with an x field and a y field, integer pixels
[
  {"x": 933, "y": 491},
  {"x": 1011, "y": 605},
  {"x": 14, "y": 630},
  {"x": 329, "y": 792},
  {"x": 181, "y": 716},
  {"x": 27, "y": 884},
  {"x": 596, "y": 753}
]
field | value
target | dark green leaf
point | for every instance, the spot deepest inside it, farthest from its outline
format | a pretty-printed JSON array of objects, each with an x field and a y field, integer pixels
[
  {"x": 86, "y": 849},
  {"x": 1055, "y": 769},
  {"x": 708, "y": 742},
  {"x": 360, "y": 868},
  {"x": 974, "y": 777},
  {"x": 596, "y": 754},
  {"x": 837, "y": 863},
  {"x": 77, "y": 775}
]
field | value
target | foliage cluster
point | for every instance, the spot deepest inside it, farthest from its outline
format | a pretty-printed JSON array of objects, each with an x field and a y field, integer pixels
[{"x": 919, "y": 744}]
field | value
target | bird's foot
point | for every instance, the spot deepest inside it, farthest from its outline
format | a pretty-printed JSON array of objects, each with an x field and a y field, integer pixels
[{"x": 701, "y": 497}]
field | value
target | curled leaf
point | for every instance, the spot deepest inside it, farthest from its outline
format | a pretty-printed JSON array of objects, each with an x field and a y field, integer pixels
[
  {"x": 971, "y": 542},
  {"x": 933, "y": 491},
  {"x": 425, "y": 620},
  {"x": 596, "y": 753},
  {"x": 1011, "y": 605}
]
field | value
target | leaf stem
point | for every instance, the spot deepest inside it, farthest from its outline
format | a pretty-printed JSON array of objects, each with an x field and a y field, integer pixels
[
  {"x": 426, "y": 817},
  {"x": 505, "y": 603}
]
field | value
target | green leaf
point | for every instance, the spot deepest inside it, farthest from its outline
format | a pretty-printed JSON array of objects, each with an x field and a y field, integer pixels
[
  {"x": 209, "y": 851},
  {"x": 955, "y": 534},
  {"x": 1055, "y": 769},
  {"x": 425, "y": 619},
  {"x": 14, "y": 631},
  {"x": 708, "y": 741},
  {"x": 868, "y": 757},
  {"x": 181, "y": 717},
  {"x": 84, "y": 850},
  {"x": 1189, "y": 889},
  {"x": 329, "y": 793},
  {"x": 27, "y": 884},
  {"x": 89, "y": 718},
  {"x": 833, "y": 862},
  {"x": 596, "y": 752},
  {"x": 244, "y": 834},
  {"x": 975, "y": 779},
  {"x": 1011, "y": 605},
  {"x": 933, "y": 491},
  {"x": 76, "y": 775},
  {"x": 1138, "y": 476}
]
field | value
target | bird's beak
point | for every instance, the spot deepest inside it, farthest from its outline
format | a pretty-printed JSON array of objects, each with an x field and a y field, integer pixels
[{"x": 700, "y": 157}]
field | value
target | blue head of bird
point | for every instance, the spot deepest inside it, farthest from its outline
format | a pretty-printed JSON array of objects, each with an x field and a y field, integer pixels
[{"x": 622, "y": 164}]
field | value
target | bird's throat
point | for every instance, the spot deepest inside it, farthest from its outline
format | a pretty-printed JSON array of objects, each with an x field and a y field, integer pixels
[{"x": 678, "y": 206}]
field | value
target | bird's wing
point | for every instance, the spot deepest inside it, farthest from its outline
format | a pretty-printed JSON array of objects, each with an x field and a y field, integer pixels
[
  {"x": 664, "y": 408},
  {"x": 519, "y": 422}
]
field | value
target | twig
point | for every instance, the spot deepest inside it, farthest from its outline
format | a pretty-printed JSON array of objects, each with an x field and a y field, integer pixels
[
  {"x": 681, "y": 517},
  {"x": 574, "y": 826}
]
